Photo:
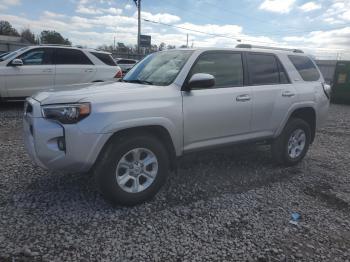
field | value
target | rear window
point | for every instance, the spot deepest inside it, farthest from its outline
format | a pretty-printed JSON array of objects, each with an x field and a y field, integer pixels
[
  {"x": 65, "y": 56},
  {"x": 105, "y": 58},
  {"x": 126, "y": 62},
  {"x": 305, "y": 67}
]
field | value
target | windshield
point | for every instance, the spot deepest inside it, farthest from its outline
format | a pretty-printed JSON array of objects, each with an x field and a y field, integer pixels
[
  {"x": 158, "y": 68},
  {"x": 13, "y": 54}
]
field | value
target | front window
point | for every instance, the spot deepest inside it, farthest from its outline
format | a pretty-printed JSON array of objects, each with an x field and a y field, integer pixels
[
  {"x": 13, "y": 54},
  {"x": 158, "y": 68},
  {"x": 37, "y": 56}
]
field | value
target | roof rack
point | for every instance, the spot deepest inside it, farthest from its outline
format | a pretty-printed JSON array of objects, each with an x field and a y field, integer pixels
[{"x": 269, "y": 47}]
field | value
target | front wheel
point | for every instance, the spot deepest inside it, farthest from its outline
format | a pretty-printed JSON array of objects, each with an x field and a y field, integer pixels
[
  {"x": 293, "y": 143},
  {"x": 132, "y": 169}
]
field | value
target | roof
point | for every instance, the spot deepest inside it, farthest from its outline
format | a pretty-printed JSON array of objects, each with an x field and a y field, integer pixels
[{"x": 72, "y": 47}]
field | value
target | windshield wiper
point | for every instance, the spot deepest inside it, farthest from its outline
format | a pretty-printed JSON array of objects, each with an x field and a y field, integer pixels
[{"x": 138, "y": 81}]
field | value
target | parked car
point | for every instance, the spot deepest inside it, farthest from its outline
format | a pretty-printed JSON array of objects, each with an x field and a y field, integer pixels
[
  {"x": 126, "y": 64},
  {"x": 130, "y": 133},
  {"x": 37, "y": 68}
]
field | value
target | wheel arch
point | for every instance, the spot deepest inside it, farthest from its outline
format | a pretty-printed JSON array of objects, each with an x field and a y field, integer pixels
[
  {"x": 306, "y": 113},
  {"x": 157, "y": 131}
]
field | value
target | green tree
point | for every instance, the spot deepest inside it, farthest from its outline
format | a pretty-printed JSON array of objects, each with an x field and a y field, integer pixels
[
  {"x": 29, "y": 36},
  {"x": 53, "y": 37},
  {"x": 162, "y": 46},
  {"x": 7, "y": 29}
]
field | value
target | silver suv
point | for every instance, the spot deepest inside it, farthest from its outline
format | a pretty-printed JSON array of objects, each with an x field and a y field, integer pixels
[{"x": 130, "y": 133}]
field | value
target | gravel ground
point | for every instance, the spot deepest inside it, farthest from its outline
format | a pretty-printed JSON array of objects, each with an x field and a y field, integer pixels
[{"x": 227, "y": 205}]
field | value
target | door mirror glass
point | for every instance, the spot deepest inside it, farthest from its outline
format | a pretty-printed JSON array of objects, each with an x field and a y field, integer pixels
[
  {"x": 201, "y": 80},
  {"x": 17, "y": 62}
]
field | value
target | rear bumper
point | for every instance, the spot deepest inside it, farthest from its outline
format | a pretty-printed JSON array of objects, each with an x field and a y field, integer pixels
[{"x": 40, "y": 140}]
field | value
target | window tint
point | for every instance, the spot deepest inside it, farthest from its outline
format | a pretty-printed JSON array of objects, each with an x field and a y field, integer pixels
[
  {"x": 263, "y": 69},
  {"x": 105, "y": 58},
  {"x": 227, "y": 68},
  {"x": 305, "y": 67},
  {"x": 37, "y": 56},
  {"x": 64, "y": 56}
]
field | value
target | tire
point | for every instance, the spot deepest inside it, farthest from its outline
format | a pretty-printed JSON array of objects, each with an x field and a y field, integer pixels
[
  {"x": 291, "y": 154},
  {"x": 111, "y": 169}
]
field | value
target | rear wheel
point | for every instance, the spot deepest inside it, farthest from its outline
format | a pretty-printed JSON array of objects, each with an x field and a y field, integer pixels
[
  {"x": 293, "y": 143},
  {"x": 132, "y": 169}
]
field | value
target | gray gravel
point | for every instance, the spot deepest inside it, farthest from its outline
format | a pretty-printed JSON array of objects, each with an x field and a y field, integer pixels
[{"x": 227, "y": 205}]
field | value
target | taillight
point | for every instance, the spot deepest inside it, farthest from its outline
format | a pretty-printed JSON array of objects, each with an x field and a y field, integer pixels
[
  {"x": 327, "y": 90},
  {"x": 119, "y": 74}
]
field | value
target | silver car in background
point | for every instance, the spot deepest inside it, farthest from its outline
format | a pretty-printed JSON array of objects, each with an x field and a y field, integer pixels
[{"x": 130, "y": 133}]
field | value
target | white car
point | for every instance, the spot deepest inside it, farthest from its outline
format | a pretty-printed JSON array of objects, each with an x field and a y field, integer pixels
[
  {"x": 126, "y": 64},
  {"x": 38, "y": 68}
]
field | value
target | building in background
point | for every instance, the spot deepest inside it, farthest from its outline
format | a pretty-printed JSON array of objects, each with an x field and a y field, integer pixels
[{"x": 11, "y": 43}]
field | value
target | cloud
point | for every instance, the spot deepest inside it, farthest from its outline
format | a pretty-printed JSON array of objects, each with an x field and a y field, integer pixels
[
  {"x": 338, "y": 12},
  {"x": 91, "y": 10},
  {"x": 277, "y": 6},
  {"x": 160, "y": 17},
  {"x": 127, "y": 6},
  {"x": 53, "y": 15},
  {"x": 334, "y": 39},
  {"x": 5, "y": 4},
  {"x": 310, "y": 6}
]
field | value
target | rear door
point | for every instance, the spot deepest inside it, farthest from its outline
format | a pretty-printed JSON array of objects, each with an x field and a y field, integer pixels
[
  {"x": 219, "y": 114},
  {"x": 72, "y": 67},
  {"x": 272, "y": 92},
  {"x": 36, "y": 74}
]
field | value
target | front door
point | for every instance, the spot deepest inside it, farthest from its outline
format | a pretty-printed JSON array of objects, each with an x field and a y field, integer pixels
[
  {"x": 217, "y": 115},
  {"x": 36, "y": 74}
]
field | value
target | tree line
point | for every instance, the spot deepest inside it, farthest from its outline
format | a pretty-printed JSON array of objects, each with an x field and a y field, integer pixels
[
  {"x": 45, "y": 37},
  {"x": 54, "y": 37}
]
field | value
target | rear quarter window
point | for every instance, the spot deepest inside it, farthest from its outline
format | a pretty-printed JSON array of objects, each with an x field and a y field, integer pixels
[
  {"x": 105, "y": 58},
  {"x": 305, "y": 67}
]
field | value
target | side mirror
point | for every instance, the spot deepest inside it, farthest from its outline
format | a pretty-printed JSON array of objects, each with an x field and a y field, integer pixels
[
  {"x": 17, "y": 62},
  {"x": 200, "y": 80}
]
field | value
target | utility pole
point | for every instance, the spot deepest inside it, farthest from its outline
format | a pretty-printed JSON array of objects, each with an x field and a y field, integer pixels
[
  {"x": 139, "y": 25},
  {"x": 187, "y": 41}
]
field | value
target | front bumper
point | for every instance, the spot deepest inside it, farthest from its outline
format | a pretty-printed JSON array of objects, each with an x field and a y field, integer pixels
[{"x": 40, "y": 140}]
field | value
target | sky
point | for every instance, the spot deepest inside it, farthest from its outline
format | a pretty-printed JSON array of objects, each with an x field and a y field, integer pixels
[{"x": 319, "y": 27}]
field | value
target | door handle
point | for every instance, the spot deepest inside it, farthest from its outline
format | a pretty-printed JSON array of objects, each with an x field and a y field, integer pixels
[
  {"x": 47, "y": 70},
  {"x": 88, "y": 70},
  {"x": 287, "y": 94},
  {"x": 243, "y": 98}
]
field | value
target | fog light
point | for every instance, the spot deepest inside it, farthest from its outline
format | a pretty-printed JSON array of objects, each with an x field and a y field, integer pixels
[{"x": 61, "y": 143}]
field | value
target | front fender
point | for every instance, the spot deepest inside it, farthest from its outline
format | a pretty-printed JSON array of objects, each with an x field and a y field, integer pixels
[{"x": 174, "y": 131}]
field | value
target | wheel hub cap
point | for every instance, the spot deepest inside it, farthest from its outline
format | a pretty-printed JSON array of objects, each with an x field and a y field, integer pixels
[
  {"x": 296, "y": 143},
  {"x": 137, "y": 170}
]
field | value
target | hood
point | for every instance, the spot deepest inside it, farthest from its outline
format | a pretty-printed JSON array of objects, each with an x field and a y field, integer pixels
[{"x": 78, "y": 92}]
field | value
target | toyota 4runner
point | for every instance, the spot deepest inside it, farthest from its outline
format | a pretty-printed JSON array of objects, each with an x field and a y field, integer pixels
[{"x": 130, "y": 133}]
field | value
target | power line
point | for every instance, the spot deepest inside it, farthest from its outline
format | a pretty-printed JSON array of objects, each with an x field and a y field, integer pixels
[
  {"x": 234, "y": 38},
  {"x": 206, "y": 33}
]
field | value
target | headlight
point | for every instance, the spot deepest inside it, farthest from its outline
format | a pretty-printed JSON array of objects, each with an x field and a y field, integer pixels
[{"x": 66, "y": 113}]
